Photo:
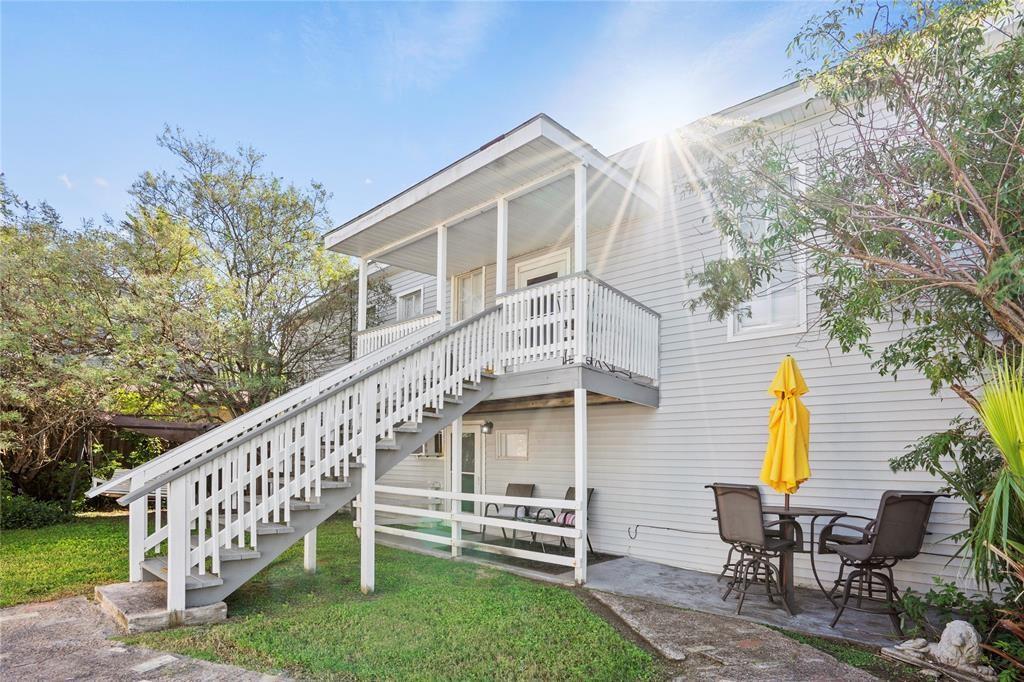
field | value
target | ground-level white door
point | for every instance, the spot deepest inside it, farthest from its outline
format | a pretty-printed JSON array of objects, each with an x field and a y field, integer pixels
[{"x": 472, "y": 468}]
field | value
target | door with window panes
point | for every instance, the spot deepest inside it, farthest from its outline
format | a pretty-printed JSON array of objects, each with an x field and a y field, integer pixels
[{"x": 469, "y": 295}]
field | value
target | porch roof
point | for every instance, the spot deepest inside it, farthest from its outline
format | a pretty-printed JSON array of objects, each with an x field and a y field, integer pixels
[{"x": 531, "y": 166}]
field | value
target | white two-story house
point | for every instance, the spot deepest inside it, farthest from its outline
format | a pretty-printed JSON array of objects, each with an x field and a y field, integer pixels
[
  {"x": 674, "y": 401},
  {"x": 541, "y": 338}
]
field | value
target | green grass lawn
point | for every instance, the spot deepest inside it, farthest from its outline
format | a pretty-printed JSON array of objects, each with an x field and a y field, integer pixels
[
  {"x": 63, "y": 560},
  {"x": 430, "y": 618}
]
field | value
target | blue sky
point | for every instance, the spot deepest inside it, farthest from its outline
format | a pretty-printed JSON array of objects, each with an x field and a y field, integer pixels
[{"x": 365, "y": 98}]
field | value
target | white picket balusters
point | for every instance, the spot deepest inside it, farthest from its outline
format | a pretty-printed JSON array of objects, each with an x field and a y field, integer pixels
[
  {"x": 370, "y": 340},
  {"x": 217, "y": 501},
  {"x": 543, "y": 322}
]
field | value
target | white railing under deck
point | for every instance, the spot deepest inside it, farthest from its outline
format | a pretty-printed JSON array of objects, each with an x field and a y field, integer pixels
[
  {"x": 455, "y": 517},
  {"x": 543, "y": 323},
  {"x": 371, "y": 340}
]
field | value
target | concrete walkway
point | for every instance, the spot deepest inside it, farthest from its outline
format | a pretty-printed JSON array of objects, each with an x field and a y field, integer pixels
[
  {"x": 710, "y": 647},
  {"x": 68, "y": 639}
]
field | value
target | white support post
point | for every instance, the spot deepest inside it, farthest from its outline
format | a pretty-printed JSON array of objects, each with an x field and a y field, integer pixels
[
  {"x": 442, "y": 273},
  {"x": 580, "y": 218},
  {"x": 361, "y": 326},
  {"x": 179, "y": 546},
  {"x": 580, "y": 261},
  {"x": 501, "y": 277},
  {"x": 367, "y": 483},
  {"x": 309, "y": 552},
  {"x": 580, "y": 439},
  {"x": 361, "y": 305},
  {"x": 501, "y": 260},
  {"x": 137, "y": 530},
  {"x": 456, "y": 467}
]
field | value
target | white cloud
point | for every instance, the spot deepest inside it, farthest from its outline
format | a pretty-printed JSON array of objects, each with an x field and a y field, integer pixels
[
  {"x": 66, "y": 181},
  {"x": 100, "y": 181},
  {"x": 368, "y": 181},
  {"x": 394, "y": 47}
]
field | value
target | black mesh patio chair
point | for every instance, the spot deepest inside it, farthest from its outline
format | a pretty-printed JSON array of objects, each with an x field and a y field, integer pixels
[
  {"x": 868, "y": 552},
  {"x": 740, "y": 517},
  {"x": 511, "y": 512},
  {"x": 564, "y": 517}
]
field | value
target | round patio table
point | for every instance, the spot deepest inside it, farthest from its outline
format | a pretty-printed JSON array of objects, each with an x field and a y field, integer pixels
[{"x": 792, "y": 513}]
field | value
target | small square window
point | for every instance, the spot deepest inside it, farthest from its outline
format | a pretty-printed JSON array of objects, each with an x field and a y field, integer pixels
[{"x": 513, "y": 444}]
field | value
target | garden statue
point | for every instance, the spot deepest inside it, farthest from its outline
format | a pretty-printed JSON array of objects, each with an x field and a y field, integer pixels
[{"x": 959, "y": 649}]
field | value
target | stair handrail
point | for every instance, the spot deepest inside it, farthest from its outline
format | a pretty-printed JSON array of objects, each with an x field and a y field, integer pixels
[
  {"x": 163, "y": 479},
  {"x": 244, "y": 424}
]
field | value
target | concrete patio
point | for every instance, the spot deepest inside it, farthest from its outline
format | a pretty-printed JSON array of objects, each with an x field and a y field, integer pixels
[{"x": 698, "y": 591}]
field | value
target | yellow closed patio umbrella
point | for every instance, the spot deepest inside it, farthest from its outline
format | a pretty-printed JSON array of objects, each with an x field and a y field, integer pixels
[{"x": 789, "y": 428}]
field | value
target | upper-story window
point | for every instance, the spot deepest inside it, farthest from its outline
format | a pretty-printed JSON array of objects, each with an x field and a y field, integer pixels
[
  {"x": 410, "y": 304},
  {"x": 780, "y": 306}
]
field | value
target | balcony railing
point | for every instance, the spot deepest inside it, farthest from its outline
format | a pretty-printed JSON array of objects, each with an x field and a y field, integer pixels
[
  {"x": 370, "y": 340},
  {"x": 542, "y": 323}
]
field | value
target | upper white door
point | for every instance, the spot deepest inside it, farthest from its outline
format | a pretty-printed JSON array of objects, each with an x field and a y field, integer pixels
[
  {"x": 468, "y": 295},
  {"x": 543, "y": 268}
]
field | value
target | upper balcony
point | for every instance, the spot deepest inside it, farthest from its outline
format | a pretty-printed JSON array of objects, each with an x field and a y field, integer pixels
[{"x": 538, "y": 189}]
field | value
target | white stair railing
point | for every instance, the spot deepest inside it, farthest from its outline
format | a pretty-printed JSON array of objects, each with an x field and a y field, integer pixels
[
  {"x": 242, "y": 425},
  {"x": 217, "y": 501},
  {"x": 370, "y": 340}
]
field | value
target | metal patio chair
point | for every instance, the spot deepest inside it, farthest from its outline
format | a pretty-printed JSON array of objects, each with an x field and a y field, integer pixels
[
  {"x": 510, "y": 512},
  {"x": 740, "y": 517},
  {"x": 563, "y": 518},
  {"x": 870, "y": 552}
]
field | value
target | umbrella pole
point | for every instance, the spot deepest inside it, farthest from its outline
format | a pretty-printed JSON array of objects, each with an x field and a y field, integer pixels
[{"x": 787, "y": 501}]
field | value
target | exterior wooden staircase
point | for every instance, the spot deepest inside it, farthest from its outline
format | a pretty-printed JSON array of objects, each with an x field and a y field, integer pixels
[{"x": 207, "y": 516}]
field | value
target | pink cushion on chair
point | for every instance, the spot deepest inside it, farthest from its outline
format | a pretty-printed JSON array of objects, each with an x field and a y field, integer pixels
[{"x": 565, "y": 519}]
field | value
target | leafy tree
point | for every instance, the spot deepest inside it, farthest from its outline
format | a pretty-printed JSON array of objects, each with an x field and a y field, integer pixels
[
  {"x": 57, "y": 303},
  {"x": 257, "y": 304},
  {"x": 906, "y": 204}
]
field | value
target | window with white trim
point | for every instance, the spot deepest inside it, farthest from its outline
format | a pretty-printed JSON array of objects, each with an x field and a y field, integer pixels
[
  {"x": 410, "y": 304},
  {"x": 780, "y": 306},
  {"x": 513, "y": 443}
]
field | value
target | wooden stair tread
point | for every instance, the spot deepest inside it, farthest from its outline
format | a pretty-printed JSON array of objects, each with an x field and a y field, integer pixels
[
  {"x": 232, "y": 553},
  {"x": 294, "y": 503},
  {"x": 157, "y": 566},
  {"x": 262, "y": 528}
]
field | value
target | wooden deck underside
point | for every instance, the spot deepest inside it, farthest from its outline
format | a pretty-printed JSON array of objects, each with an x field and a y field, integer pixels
[{"x": 551, "y": 387}]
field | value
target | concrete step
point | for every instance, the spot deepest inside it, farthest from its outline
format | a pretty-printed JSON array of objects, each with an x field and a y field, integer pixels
[
  {"x": 142, "y": 607},
  {"x": 157, "y": 566}
]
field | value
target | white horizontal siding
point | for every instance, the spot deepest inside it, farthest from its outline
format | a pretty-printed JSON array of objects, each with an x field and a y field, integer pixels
[{"x": 650, "y": 466}]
